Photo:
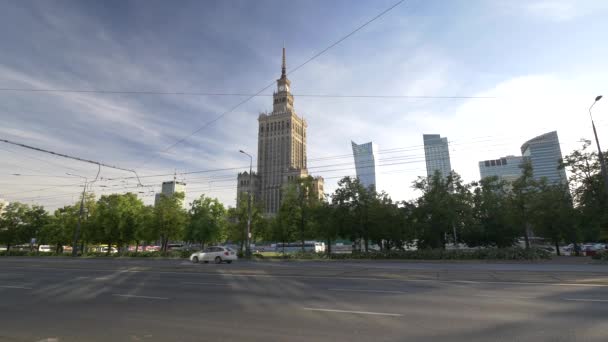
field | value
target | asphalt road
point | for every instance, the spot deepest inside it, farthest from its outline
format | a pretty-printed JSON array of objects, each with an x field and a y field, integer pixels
[{"x": 53, "y": 299}]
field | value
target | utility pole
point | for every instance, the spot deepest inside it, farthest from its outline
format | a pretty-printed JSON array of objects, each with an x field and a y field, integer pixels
[
  {"x": 248, "y": 236},
  {"x": 77, "y": 230},
  {"x": 599, "y": 149}
]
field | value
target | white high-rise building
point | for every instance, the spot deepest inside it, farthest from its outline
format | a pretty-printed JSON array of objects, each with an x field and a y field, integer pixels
[
  {"x": 169, "y": 188},
  {"x": 437, "y": 155},
  {"x": 365, "y": 156}
]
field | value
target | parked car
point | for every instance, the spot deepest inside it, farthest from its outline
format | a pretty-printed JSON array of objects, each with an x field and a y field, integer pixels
[
  {"x": 590, "y": 249},
  {"x": 112, "y": 251},
  {"x": 175, "y": 247},
  {"x": 217, "y": 254},
  {"x": 152, "y": 248},
  {"x": 46, "y": 248}
]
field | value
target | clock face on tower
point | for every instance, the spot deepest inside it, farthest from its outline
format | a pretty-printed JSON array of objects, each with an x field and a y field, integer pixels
[{"x": 282, "y": 88}]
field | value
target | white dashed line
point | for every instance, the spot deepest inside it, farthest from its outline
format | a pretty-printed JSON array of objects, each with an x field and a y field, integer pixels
[
  {"x": 355, "y": 312},
  {"x": 363, "y": 290},
  {"x": 204, "y": 283},
  {"x": 504, "y": 297},
  {"x": 586, "y": 300},
  {"x": 135, "y": 296},
  {"x": 15, "y": 287}
]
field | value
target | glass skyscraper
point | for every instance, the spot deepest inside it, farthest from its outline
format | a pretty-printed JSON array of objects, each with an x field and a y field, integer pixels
[
  {"x": 506, "y": 168},
  {"x": 544, "y": 153},
  {"x": 365, "y": 163},
  {"x": 436, "y": 155}
]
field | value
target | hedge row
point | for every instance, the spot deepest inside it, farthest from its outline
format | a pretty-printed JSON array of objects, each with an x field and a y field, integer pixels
[
  {"x": 514, "y": 253},
  {"x": 171, "y": 254}
]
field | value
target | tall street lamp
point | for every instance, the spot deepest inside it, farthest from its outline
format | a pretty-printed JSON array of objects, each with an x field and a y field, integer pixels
[
  {"x": 599, "y": 149},
  {"x": 77, "y": 230},
  {"x": 248, "y": 236}
]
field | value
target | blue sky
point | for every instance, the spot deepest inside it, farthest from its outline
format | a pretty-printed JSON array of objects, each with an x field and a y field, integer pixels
[{"x": 543, "y": 61}]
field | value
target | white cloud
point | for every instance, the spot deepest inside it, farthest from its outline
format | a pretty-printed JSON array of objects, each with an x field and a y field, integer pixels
[{"x": 555, "y": 10}]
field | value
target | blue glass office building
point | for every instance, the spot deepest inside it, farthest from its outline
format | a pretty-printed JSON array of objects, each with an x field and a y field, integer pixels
[
  {"x": 365, "y": 163},
  {"x": 544, "y": 153}
]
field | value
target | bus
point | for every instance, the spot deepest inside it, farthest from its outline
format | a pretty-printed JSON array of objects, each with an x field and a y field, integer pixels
[{"x": 293, "y": 247}]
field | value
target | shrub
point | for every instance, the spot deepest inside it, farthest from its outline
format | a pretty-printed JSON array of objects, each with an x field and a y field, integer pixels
[
  {"x": 514, "y": 253},
  {"x": 603, "y": 255}
]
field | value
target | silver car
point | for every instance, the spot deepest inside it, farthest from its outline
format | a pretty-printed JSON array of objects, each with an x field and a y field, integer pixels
[{"x": 217, "y": 254}]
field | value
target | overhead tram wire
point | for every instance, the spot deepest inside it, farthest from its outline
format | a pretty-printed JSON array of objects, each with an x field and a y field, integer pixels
[
  {"x": 207, "y": 124},
  {"x": 399, "y": 160},
  {"x": 347, "y": 96},
  {"x": 394, "y": 160},
  {"x": 476, "y": 140},
  {"x": 99, "y": 164}
]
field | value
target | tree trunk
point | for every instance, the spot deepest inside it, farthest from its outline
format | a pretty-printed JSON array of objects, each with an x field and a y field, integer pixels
[
  {"x": 82, "y": 247},
  {"x": 202, "y": 245},
  {"x": 557, "y": 248},
  {"x": 136, "y": 246},
  {"x": 164, "y": 244},
  {"x": 8, "y": 248},
  {"x": 302, "y": 232},
  {"x": 328, "y": 248},
  {"x": 109, "y": 247},
  {"x": 58, "y": 248},
  {"x": 526, "y": 238},
  {"x": 366, "y": 244}
]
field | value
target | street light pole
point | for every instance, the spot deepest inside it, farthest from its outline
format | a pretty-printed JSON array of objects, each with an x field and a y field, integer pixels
[
  {"x": 248, "y": 236},
  {"x": 599, "y": 149},
  {"x": 77, "y": 230}
]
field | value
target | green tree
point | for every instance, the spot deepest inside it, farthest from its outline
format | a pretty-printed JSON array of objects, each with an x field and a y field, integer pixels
[
  {"x": 108, "y": 219},
  {"x": 491, "y": 224},
  {"x": 589, "y": 197},
  {"x": 88, "y": 230},
  {"x": 36, "y": 218},
  {"x": 523, "y": 190},
  {"x": 207, "y": 221},
  {"x": 236, "y": 225},
  {"x": 169, "y": 218},
  {"x": 14, "y": 224},
  {"x": 131, "y": 218},
  {"x": 442, "y": 210},
  {"x": 354, "y": 202},
  {"x": 59, "y": 229},
  {"x": 145, "y": 231},
  {"x": 552, "y": 213},
  {"x": 326, "y": 225},
  {"x": 299, "y": 200}
]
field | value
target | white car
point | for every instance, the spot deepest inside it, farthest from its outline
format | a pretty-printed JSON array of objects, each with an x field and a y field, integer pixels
[
  {"x": 46, "y": 248},
  {"x": 216, "y": 254}
]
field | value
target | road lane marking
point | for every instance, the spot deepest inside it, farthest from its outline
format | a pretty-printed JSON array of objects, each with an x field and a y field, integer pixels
[
  {"x": 321, "y": 277},
  {"x": 136, "y": 296},
  {"x": 204, "y": 283},
  {"x": 586, "y": 300},
  {"x": 504, "y": 297},
  {"x": 363, "y": 290},
  {"x": 15, "y": 287},
  {"x": 355, "y": 312}
]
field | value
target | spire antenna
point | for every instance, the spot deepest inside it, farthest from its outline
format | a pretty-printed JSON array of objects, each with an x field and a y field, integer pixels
[{"x": 283, "y": 67}]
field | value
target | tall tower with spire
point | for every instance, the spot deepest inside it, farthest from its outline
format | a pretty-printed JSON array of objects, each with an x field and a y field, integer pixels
[{"x": 281, "y": 148}]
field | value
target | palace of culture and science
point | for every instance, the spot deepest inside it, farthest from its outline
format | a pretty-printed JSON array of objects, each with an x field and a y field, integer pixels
[{"x": 281, "y": 151}]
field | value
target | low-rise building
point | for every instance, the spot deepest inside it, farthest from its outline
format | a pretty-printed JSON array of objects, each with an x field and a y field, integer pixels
[{"x": 505, "y": 168}]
